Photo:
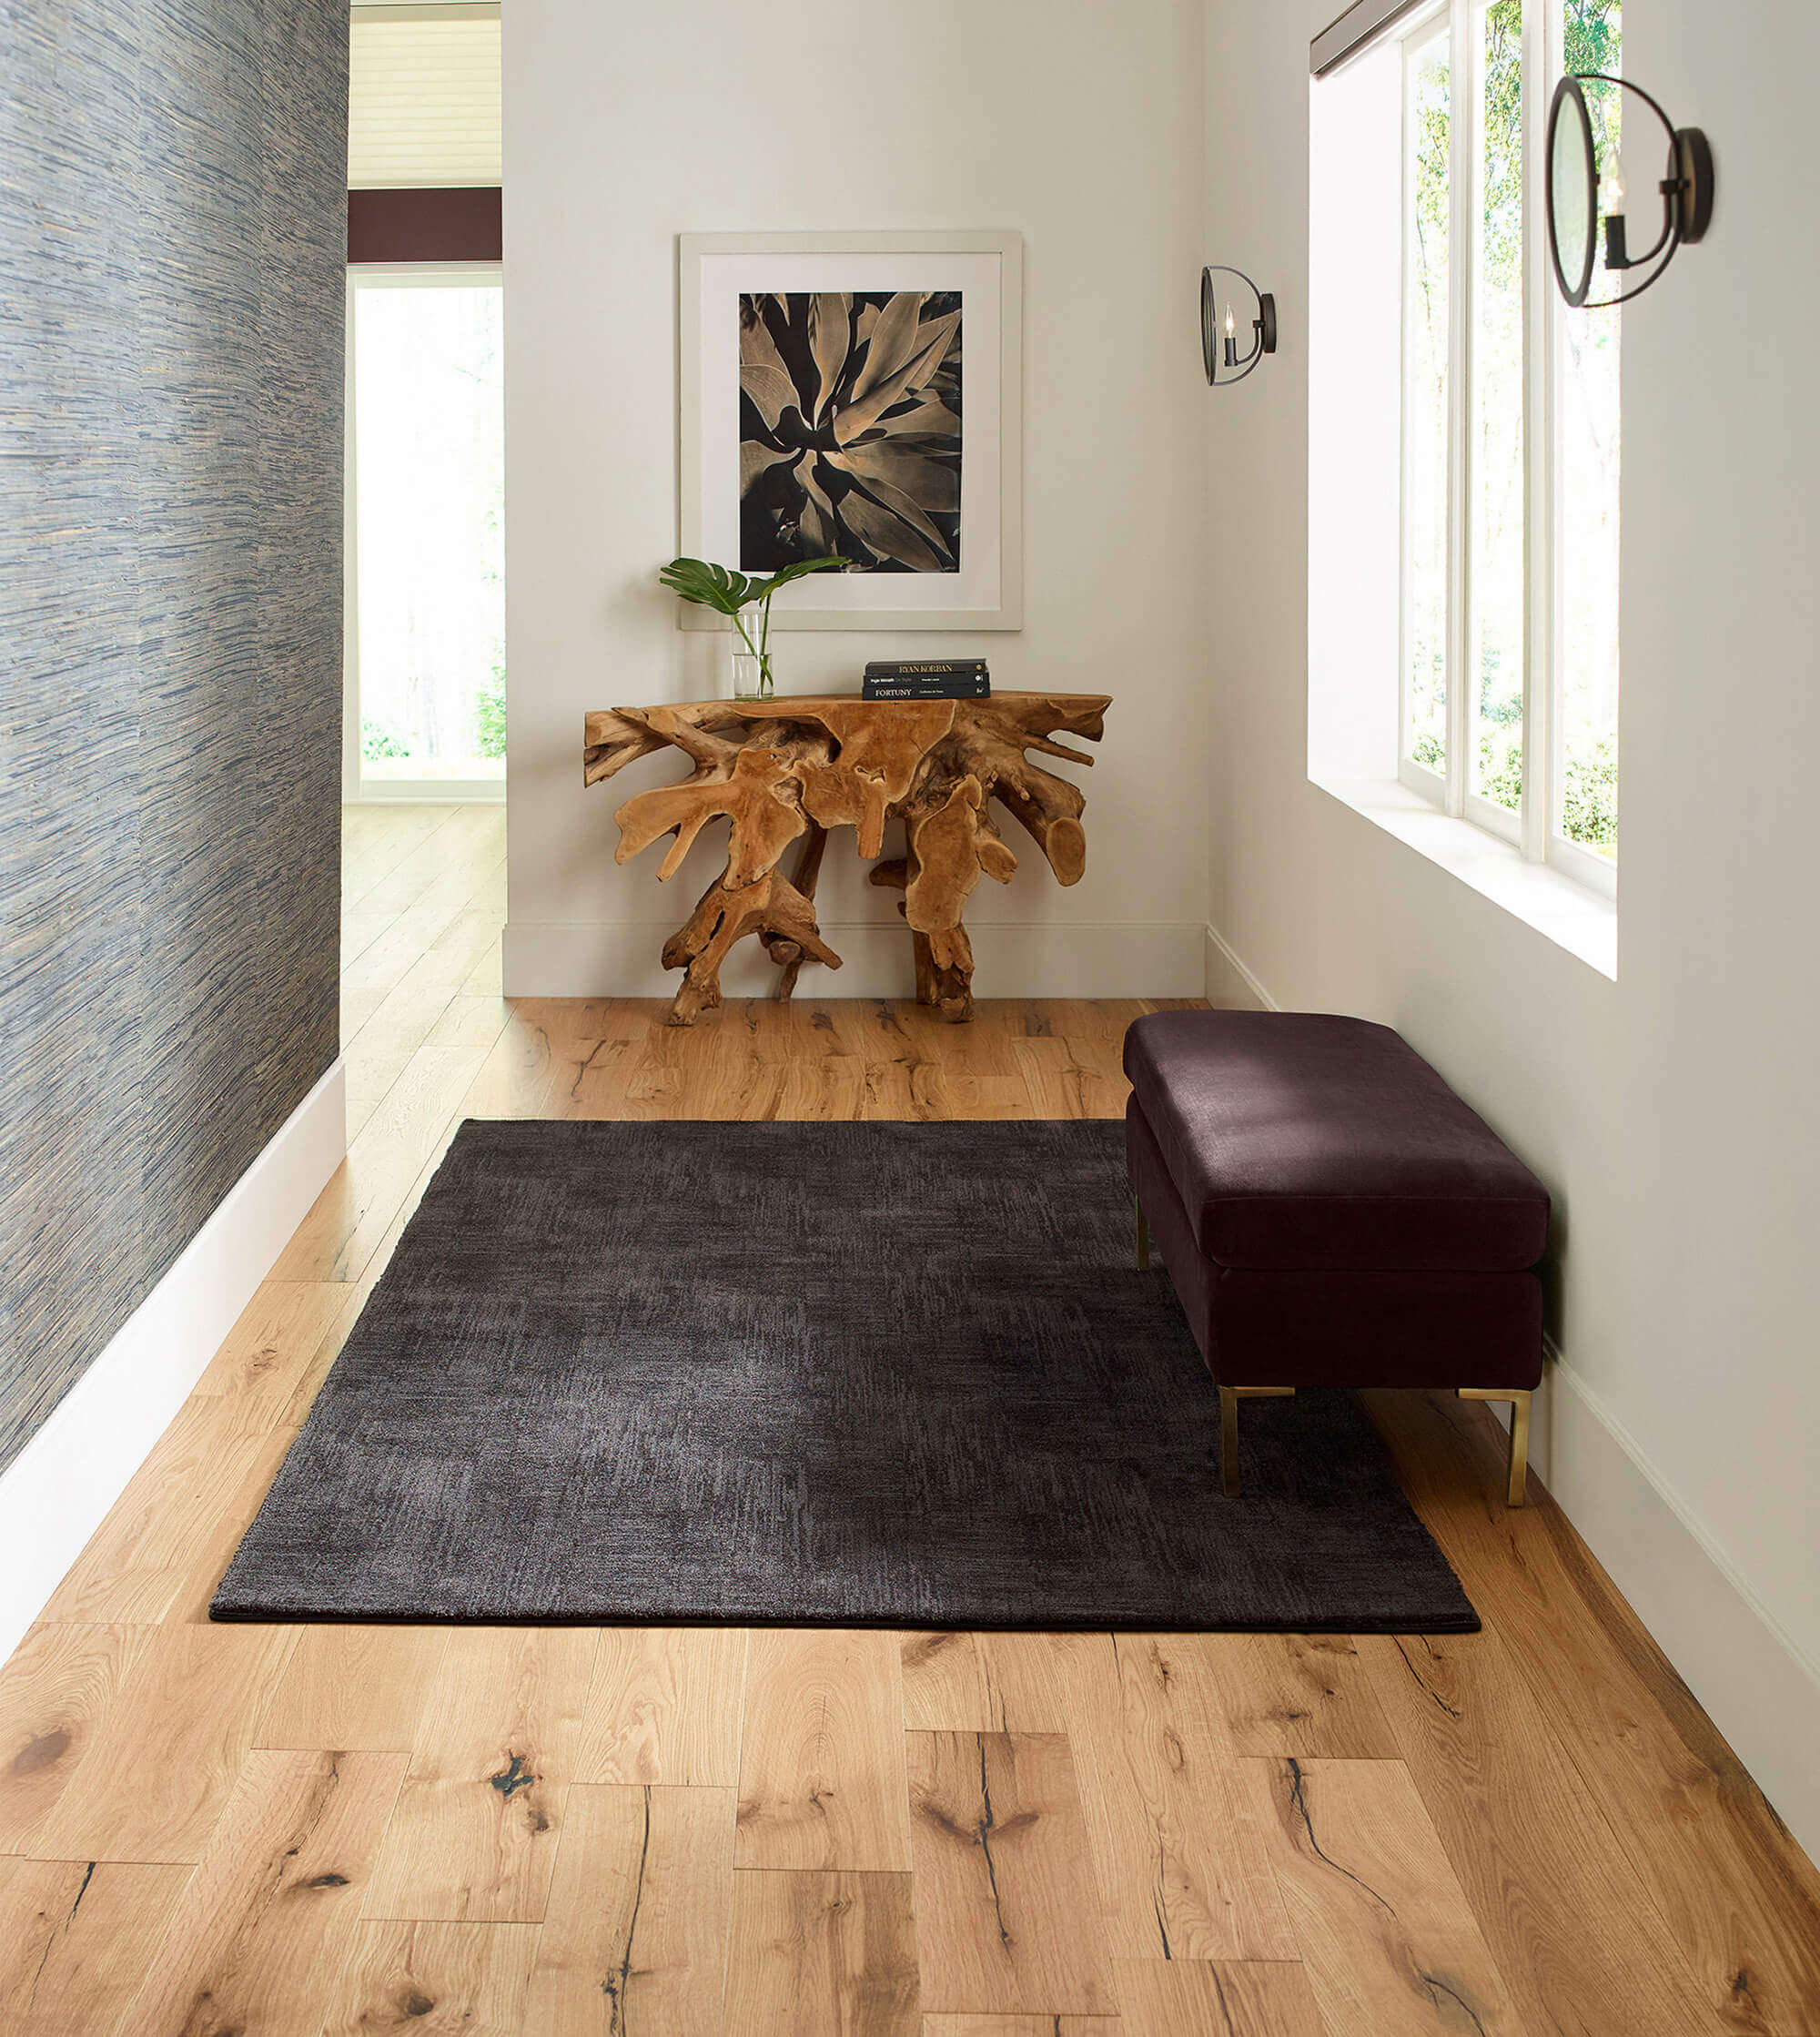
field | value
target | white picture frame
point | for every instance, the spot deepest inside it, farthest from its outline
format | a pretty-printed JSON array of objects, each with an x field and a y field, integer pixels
[{"x": 985, "y": 592}]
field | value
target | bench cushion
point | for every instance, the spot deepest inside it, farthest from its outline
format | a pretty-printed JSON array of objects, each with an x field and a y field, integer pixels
[
  {"x": 1345, "y": 1326},
  {"x": 1296, "y": 1140}
]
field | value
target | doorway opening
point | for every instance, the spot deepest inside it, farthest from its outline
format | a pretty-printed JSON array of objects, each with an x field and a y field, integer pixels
[{"x": 426, "y": 545}]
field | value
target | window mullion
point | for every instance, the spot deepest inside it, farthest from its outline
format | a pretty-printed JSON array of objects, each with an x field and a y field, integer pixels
[
  {"x": 1463, "y": 94},
  {"x": 1542, "y": 662}
]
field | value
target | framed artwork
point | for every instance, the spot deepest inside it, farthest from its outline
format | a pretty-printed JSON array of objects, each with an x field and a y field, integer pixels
[{"x": 859, "y": 394}]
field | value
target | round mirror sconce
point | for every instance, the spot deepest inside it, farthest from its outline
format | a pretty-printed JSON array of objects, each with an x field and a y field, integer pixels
[
  {"x": 1578, "y": 198},
  {"x": 1219, "y": 352}
]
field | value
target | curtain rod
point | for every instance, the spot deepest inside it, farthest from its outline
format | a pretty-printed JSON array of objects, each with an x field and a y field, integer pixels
[{"x": 1362, "y": 23}]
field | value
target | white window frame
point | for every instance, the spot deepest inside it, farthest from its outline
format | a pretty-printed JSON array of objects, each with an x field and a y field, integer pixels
[
  {"x": 355, "y": 789},
  {"x": 1535, "y": 830}
]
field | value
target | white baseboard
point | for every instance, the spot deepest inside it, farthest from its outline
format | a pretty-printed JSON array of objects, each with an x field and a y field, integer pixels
[
  {"x": 59, "y": 1489},
  {"x": 621, "y": 958},
  {"x": 465, "y": 792},
  {"x": 1754, "y": 1682},
  {"x": 1226, "y": 980}
]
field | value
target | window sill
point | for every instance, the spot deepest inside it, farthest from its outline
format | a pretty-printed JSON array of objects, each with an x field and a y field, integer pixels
[{"x": 1571, "y": 914}]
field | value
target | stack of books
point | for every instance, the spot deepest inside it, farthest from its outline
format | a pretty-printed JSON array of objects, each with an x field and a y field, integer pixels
[{"x": 927, "y": 679}]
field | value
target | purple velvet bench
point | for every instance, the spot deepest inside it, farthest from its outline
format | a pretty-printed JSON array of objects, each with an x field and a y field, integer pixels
[{"x": 1332, "y": 1213}]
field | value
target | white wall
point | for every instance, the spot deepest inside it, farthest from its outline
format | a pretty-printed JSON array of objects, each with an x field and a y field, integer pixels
[
  {"x": 1080, "y": 126},
  {"x": 1674, "y": 1113}
]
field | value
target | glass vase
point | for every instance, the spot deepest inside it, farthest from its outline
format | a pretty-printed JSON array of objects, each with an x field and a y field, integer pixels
[{"x": 748, "y": 674}]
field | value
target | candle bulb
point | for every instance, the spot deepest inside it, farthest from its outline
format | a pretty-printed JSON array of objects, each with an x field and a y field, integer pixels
[{"x": 1617, "y": 250}]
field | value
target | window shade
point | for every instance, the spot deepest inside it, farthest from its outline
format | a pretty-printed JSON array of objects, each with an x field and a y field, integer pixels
[
  {"x": 424, "y": 98},
  {"x": 1355, "y": 31}
]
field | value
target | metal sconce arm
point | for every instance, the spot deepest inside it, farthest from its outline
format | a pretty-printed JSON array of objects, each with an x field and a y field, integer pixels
[{"x": 1217, "y": 353}]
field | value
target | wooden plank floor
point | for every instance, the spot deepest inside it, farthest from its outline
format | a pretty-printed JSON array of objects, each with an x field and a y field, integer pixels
[{"x": 305, "y": 1832}]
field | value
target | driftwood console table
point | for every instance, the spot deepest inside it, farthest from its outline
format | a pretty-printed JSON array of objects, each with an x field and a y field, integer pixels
[{"x": 799, "y": 764}]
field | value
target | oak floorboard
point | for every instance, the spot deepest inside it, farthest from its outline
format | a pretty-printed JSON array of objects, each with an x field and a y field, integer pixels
[
  {"x": 944, "y": 1684},
  {"x": 1583, "y": 1948},
  {"x": 359, "y": 1112},
  {"x": 821, "y": 1954},
  {"x": 383, "y": 963},
  {"x": 1034, "y": 1681},
  {"x": 58, "y": 1686},
  {"x": 1739, "y": 1896},
  {"x": 76, "y": 1940},
  {"x": 219, "y": 1533},
  {"x": 410, "y": 1128},
  {"x": 349, "y": 1685},
  {"x": 276, "y": 1903},
  {"x": 433, "y": 1980},
  {"x": 731, "y": 1079},
  {"x": 985, "y": 1097},
  {"x": 376, "y": 840},
  {"x": 1083, "y": 1017},
  {"x": 1066, "y": 1080},
  {"x": 596, "y": 1047},
  {"x": 159, "y": 1768},
  {"x": 905, "y": 1088},
  {"x": 258, "y": 1369},
  {"x": 428, "y": 899},
  {"x": 359, "y": 930},
  {"x": 1388, "y": 1938},
  {"x": 1183, "y": 1871},
  {"x": 474, "y": 1836},
  {"x": 357, "y": 1007},
  {"x": 831, "y": 1090},
  {"x": 822, "y": 1773},
  {"x": 472, "y": 936},
  {"x": 519, "y": 1072},
  {"x": 409, "y": 1015},
  {"x": 471, "y": 1019},
  {"x": 355, "y": 1296},
  {"x": 1007, "y": 1917},
  {"x": 1306, "y": 1694},
  {"x": 1208, "y": 1998},
  {"x": 487, "y": 978},
  {"x": 664, "y": 1706},
  {"x": 1021, "y": 2026},
  {"x": 982, "y": 1051},
  {"x": 635, "y": 1931},
  {"x": 139, "y": 1559}
]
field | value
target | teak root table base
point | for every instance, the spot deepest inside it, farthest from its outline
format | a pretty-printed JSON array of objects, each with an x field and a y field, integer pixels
[{"x": 798, "y": 764}]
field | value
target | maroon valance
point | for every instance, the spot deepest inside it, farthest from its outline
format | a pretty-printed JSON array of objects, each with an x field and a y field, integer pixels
[{"x": 426, "y": 226}]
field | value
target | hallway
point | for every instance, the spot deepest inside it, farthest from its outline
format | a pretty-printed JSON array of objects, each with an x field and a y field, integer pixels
[{"x": 573, "y": 1831}]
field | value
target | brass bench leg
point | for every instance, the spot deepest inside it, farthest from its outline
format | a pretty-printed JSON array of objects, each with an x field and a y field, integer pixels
[
  {"x": 1230, "y": 1398},
  {"x": 1519, "y": 1398},
  {"x": 1143, "y": 1237}
]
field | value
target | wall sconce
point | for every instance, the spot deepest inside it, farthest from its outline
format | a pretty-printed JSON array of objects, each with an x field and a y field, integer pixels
[
  {"x": 1219, "y": 329},
  {"x": 1575, "y": 195}
]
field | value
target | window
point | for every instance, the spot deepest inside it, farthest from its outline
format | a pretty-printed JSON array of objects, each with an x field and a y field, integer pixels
[
  {"x": 1428, "y": 359},
  {"x": 427, "y": 445},
  {"x": 1507, "y": 480}
]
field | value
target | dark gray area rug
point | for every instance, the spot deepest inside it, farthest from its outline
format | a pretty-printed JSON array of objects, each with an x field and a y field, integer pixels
[{"x": 851, "y": 1374}]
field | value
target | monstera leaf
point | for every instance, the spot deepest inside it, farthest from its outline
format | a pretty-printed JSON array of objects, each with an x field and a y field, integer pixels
[
  {"x": 723, "y": 589},
  {"x": 716, "y": 587},
  {"x": 785, "y": 574}
]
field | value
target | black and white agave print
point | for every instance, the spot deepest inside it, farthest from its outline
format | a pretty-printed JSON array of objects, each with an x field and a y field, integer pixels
[{"x": 850, "y": 429}]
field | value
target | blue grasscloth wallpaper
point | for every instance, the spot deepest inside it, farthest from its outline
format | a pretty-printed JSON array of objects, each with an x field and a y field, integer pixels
[{"x": 172, "y": 241}]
